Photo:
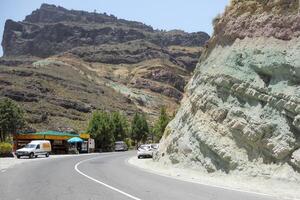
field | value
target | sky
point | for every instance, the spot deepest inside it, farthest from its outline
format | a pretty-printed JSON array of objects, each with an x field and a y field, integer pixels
[{"x": 187, "y": 15}]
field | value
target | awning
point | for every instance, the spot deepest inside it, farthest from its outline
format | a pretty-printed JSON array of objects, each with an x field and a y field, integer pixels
[
  {"x": 75, "y": 140},
  {"x": 50, "y": 135}
]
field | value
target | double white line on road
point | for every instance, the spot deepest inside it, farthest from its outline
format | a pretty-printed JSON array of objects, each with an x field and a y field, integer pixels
[{"x": 101, "y": 183}]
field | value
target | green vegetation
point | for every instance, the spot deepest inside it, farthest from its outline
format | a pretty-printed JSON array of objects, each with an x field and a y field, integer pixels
[
  {"x": 106, "y": 128},
  {"x": 11, "y": 118},
  {"x": 119, "y": 126},
  {"x": 129, "y": 142},
  {"x": 5, "y": 148},
  {"x": 101, "y": 129},
  {"x": 167, "y": 132},
  {"x": 139, "y": 128},
  {"x": 161, "y": 124}
]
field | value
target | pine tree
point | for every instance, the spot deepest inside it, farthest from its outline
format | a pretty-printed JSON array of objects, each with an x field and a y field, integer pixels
[
  {"x": 161, "y": 124},
  {"x": 135, "y": 128},
  {"x": 119, "y": 126},
  {"x": 139, "y": 128},
  {"x": 144, "y": 128}
]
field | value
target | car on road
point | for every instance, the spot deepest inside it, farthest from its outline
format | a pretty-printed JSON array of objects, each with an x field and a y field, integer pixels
[
  {"x": 146, "y": 150},
  {"x": 35, "y": 148},
  {"x": 121, "y": 146}
]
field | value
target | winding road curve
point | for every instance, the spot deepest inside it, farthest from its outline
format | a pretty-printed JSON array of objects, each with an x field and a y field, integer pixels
[{"x": 102, "y": 176}]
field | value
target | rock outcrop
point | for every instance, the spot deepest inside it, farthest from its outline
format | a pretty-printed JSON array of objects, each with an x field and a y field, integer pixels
[
  {"x": 63, "y": 64},
  {"x": 240, "y": 113},
  {"x": 51, "y": 30}
]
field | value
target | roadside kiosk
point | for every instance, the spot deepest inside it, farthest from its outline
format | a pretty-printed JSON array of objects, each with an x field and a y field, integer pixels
[{"x": 58, "y": 139}]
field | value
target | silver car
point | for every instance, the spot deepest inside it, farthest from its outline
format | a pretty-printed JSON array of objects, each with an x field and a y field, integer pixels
[
  {"x": 121, "y": 146},
  {"x": 146, "y": 150}
]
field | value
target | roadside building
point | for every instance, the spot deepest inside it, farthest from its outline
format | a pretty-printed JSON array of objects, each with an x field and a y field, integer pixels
[{"x": 58, "y": 139}]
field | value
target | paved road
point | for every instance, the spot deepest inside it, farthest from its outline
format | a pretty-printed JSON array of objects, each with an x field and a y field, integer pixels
[{"x": 102, "y": 176}]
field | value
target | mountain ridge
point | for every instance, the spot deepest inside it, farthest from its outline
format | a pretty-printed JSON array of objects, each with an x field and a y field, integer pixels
[
  {"x": 60, "y": 29},
  {"x": 61, "y": 65}
]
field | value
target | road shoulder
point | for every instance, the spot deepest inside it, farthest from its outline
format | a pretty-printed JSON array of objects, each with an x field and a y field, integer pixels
[{"x": 254, "y": 185}]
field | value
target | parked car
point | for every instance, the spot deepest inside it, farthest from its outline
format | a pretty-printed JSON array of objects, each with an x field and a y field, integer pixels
[
  {"x": 147, "y": 150},
  {"x": 35, "y": 148},
  {"x": 144, "y": 151},
  {"x": 121, "y": 146}
]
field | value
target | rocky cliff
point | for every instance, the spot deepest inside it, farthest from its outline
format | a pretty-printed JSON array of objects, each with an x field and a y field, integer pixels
[
  {"x": 241, "y": 110},
  {"x": 62, "y": 64},
  {"x": 50, "y": 30}
]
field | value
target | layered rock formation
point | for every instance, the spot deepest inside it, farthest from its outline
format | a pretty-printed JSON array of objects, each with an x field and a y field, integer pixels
[
  {"x": 51, "y": 30},
  {"x": 62, "y": 64},
  {"x": 241, "y": 110}
]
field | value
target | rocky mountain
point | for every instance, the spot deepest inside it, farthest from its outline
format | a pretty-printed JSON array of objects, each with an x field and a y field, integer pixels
[
  {"x": 241, "y": 110},
  {"x": 62, "y": 64},
  {"x": 51, "y": 30}
]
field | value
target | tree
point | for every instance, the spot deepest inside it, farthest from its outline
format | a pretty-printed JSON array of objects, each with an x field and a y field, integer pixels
[
  {"x": 135, "y": 127},
  {"x": 144, "y": 128},
  {"x": 11, "y": 118},
  {"x": 100, "y": 127},
  {"x": 120, "y": 126},
  {"x": 139, "y": 128},
  {"x": 161, "y": 124}
]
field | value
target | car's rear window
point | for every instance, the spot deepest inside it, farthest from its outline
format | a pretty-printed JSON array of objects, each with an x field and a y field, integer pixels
[{"x": 118, "y": 143}]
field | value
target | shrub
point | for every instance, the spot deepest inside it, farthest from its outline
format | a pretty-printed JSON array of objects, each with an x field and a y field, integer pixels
[
  {"x": 167, "y": 132},
  {"x": 5, "y": 148},
  {"x": 128, "y": 142}
]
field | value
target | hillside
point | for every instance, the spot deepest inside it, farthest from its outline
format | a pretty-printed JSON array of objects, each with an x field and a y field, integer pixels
[
  {"x": 61, "y": 64},
  {"x": 241, "y": 110}
]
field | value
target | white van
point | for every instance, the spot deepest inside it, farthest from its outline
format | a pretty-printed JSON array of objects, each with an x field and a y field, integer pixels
[{"x": 35, "y": 148}]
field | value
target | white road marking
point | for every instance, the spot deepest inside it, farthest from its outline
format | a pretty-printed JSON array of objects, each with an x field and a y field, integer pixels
[{"x": 101, "y": 183}]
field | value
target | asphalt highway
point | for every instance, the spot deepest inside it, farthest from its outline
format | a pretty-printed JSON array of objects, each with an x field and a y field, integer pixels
[{"x": 105, "y": 176}]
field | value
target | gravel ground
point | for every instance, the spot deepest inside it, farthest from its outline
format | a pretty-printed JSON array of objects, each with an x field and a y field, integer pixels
[{"x": 276, "y": 188}]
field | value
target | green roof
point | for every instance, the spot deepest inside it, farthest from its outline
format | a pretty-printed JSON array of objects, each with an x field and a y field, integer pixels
[{"x": 57, "y": 133}]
